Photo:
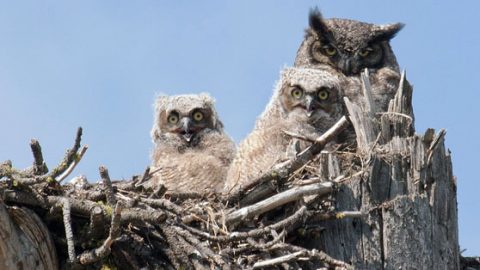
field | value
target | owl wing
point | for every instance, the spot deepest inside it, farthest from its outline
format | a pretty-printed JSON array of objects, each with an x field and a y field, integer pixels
[{"x": 261, "y": 150}]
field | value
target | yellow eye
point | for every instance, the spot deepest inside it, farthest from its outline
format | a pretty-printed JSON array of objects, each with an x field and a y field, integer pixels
[
  {"x": 297, "y": 93},
  {"x": 173, "y": 118},
  {"x": 365, "y": 52},
  {"x": 329, "y": 50},
  {"x": 197, "y": 116},
  {"x": 323, "y": 94}
]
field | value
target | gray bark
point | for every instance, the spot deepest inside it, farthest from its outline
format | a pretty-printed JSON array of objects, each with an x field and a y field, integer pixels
[
  {"x": 407, "y": 192},
  {"x": 25, "y": 242}
]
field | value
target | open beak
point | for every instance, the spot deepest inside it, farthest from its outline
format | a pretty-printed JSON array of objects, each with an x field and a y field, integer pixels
[
  {"x": 309, "y": 105},
  {"x": 186, "y": 131}
]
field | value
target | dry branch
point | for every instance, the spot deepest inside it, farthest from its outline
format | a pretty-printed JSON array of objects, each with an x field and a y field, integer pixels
[
  {"x": 39, "y": 166},
  {"x": 293, "y": 194},
  {"x": 72, "y": 165},
  {"x": 67, "y": 222},
  {"x": 314, "y": 255},
  {"x": 107, "y": 183},
  {"x": 92, "y": 256},
  {"x": 283, "y": 170}
]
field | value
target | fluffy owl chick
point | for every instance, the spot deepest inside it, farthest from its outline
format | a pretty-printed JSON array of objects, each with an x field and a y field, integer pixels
[
  {"x": 305, "y": 101},
  {"x": 350, "y": 47},
  {"x": 192, "y": 152}
]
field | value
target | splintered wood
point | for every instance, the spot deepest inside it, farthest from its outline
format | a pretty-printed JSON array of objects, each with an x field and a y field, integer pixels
[{"x": 408, "y": 191}]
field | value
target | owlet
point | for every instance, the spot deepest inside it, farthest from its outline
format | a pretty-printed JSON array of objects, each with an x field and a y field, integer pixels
[
  {"x": 192, "y": 152},
  {"x": 305, "y": 101}
]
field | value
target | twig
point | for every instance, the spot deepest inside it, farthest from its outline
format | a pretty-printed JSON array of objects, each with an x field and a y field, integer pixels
[
  {"x": 284, "y": 169},
  {"x": 67, "y": 221},
  {"x": 205, "y": 251},
  {"x": 299, "y": 136},
  {"x": 146, "y": 175},
  {"x": 280, "y": 260},
  {"x": 164, "y": 204},
  {"x": 314, "y": 254},
  {"x": 277, "y": 200},
  {"x": 83, "y": 207},
  {"x": 39, "y": 166},
  {"x": 107, "y": 183},
  {"x": 287, "y": 224},
  {"x": 175, "y": 252},
  {"x": 104, "y": 250},
  {"x": 70, "y": 156},
  {"x": 72, "y": 165}
]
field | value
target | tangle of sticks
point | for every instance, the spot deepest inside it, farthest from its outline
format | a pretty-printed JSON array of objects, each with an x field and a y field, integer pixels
[{"x": 243, "y": 231}]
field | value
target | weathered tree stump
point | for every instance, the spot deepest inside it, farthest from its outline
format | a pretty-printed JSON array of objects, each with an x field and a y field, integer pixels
[
  {"x": 407, "y": 192},
  {"x": 26, "y": 241}
]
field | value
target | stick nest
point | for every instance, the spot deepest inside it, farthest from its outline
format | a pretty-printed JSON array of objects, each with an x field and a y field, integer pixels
[{"x": 122, "y": 225}]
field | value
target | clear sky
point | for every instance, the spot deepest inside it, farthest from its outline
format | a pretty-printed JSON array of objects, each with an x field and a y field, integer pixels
[{"x": 99, "y": 64}]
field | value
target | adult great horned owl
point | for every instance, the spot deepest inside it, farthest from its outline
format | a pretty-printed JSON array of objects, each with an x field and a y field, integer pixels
[
  {"x": 351, "y": 46},
  {"x": 192, "y": 152},
  {"x": 305, "y": 101}
]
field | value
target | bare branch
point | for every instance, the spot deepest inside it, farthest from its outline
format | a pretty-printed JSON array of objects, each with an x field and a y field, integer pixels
[
  {"x": 67, "y": 221},
  {"x": 83, "y": 207},
  {"x": 39, "y": 166},
  {"x": 314, "y": 254},
  {"x": 146, "y": 175},
  {"x": 70, "y": 157},
  {"x": 287, "y": 224},
  {"x": 72, "y": 166},
  {"x": 277, "y": 200},
  {"x": 280, "y": 260},
  {"x": 107, "y": 184},
  {"x": 283, "y": 170},
  {"x": 104, "y": 250},
  {"x": 163, "y": 204}
]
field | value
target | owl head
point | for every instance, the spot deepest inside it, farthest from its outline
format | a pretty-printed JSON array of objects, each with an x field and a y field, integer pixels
[
  {"x": 306, "y": 95},
  {"x": 184, "y": 118},
  {"x": 347, "y": 45}
]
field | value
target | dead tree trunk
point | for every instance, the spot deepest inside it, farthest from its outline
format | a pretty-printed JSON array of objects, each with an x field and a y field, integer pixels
[
  {"x": 26, "y": 242},
  {"x": 406, "y": 191}
]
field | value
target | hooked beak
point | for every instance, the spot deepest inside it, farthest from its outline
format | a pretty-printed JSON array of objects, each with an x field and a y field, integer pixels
[
  {"x": 186, "y": 131},
  {"x": 346, "y": 66},
  {"x": 309, "y": 106}
]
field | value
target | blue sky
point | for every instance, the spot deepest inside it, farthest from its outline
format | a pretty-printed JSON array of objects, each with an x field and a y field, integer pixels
[{"x": 99, "y": 64}]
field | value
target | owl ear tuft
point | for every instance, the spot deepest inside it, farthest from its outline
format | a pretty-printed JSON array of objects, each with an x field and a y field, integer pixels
[
  {"x": 316, "y": 22},
  {"x": 386, "y": 32}
]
